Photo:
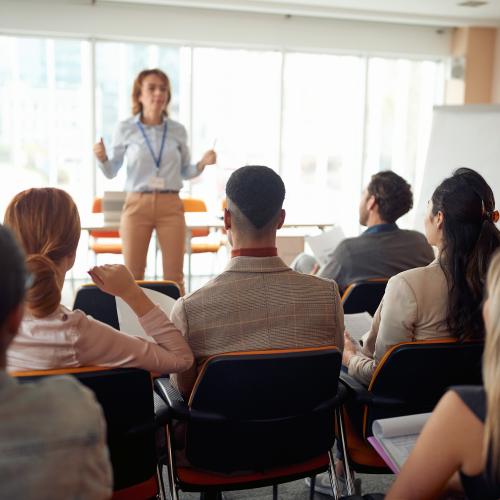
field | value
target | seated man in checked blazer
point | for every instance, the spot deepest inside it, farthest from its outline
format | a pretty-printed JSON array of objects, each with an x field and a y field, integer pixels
[{"x": 258, "y": 302}]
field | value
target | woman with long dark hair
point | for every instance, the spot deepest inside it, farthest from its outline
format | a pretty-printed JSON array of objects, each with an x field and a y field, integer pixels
[{"x": 444, "y": 298}]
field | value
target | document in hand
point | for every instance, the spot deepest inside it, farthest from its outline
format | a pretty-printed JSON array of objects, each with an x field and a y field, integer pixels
[
  {"x": 325, "y": 243},
  {"x": 394, "y": 438},
  {"x": 127, "y": 319},
  {"x": 358, "y": 324}
]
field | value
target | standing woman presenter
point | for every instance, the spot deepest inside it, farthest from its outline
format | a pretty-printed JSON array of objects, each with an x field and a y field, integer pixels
[{"x": 158, "y": 159}]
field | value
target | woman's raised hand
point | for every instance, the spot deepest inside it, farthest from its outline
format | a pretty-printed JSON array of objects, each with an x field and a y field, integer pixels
[
  {"x": 209, "y": 158},
  {"x": 114, "y": 279},
  {"x": 100, "y": 151}
]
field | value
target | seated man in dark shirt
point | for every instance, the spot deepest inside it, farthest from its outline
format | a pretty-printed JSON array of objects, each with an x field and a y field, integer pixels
[{"x": 383, "y": 250}]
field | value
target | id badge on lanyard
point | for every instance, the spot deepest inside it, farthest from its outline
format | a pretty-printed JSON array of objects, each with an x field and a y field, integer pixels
[{"x": 155, "y": 183}]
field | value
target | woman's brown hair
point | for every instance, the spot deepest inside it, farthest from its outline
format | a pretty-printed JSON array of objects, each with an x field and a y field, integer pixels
[
  {"x": 47, "y": 225},
  {"x": 136, "y": 89}
]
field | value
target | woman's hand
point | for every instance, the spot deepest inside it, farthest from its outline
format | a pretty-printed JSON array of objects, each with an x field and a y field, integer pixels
[
  {"x": 115, "y": 279},
  {"x": 209, "y": 158},
  {"x": 100, "y": 151}
]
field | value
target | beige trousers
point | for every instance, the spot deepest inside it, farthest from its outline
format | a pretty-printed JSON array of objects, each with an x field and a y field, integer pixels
[{"x": 143, "y": 212}]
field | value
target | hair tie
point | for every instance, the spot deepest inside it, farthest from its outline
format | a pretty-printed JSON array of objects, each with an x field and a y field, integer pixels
[{"x": 494, "y": 216}]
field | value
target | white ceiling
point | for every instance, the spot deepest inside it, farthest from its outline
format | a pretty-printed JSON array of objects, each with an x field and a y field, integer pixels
[{"x": 424, "y": 12}]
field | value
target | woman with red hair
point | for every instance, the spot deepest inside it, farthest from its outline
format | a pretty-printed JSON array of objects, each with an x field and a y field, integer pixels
[
  {"x": 158, "y": 159},
  {"x": 46, "y": 223}
]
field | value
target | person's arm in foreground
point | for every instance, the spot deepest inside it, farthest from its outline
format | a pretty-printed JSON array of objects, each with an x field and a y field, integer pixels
[
  {"x": 101, "y": 344},
  {"x": 393, "y": 323},
  {"x": 450, "y": 441}
]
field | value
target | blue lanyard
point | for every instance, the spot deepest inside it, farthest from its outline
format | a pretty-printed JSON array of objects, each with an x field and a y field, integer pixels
[{"x": 148, "y": 144}]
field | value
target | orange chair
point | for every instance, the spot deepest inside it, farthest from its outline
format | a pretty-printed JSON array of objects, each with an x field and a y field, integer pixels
[
  {"x": 254, "y": 418},
  {"x": 201, "y": 241},
  {"x": 96, "y": 237},
  {"x": 410, "y": 378},
  {"x": 126, "y": 397}
]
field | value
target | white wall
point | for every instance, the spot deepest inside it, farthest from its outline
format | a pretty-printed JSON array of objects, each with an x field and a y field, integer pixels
[{"x": 79, "y": 18}]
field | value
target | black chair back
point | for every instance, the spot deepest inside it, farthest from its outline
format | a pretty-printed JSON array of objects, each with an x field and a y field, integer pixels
[
  {"x": 102, "y": 306},
  {"x": 126, "y": 397},
  {"x": 414, "y": 376},
  {"x": 264, "y": 409},
  {"x": 363, "y": 296}
]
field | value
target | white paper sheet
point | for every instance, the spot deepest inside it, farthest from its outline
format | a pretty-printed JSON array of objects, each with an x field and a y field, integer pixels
[
  {"x": 325, "y": 243},
  {"x": 358, "y": 324},
  {"x": 127, "y": 319},
  {"x": 398, "y": 435}
]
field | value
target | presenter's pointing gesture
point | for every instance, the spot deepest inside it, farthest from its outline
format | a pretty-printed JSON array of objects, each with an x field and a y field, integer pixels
[
  {"x": 209, "y": 158},
  {"x": 100, "y": 151}
]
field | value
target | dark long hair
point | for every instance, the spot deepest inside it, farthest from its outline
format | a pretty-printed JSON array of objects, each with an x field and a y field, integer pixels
[
  {"x": 13, "y": 275},
  {"x": 469, "y": 239}
]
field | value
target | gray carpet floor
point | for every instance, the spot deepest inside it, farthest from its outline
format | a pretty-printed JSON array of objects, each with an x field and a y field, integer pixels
[{"x": 298, "y": 490}]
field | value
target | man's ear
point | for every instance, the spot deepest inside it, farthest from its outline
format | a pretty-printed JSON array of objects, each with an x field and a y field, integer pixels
[
  {"x": 439, "y": 220},
  {"x": 281, "y": 219},
  {"x": 227, "y": 219},
  {"x": 371, "y": 202}
]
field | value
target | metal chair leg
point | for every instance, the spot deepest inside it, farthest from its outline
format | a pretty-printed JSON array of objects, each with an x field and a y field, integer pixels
[
  {"x": 348, "y": 473},
  {"x": 159, "y": 471},
  {"x": 275, "y": 492},
  {"x": 311, "y": 488},
  {"x": 170, "y": 466},
  {"x": 333, "y": 476}
]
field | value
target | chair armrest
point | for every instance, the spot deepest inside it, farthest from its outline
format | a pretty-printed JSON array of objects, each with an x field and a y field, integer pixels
[
  {"x": 355, "y": 389},
  {"x": 335, "y": 402},
  {"x": 175, "y": 406},
  {"x": 361, "y": 394}
]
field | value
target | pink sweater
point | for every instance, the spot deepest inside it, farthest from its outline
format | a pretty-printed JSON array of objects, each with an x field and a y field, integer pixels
[{"x": 71, "y": 339}]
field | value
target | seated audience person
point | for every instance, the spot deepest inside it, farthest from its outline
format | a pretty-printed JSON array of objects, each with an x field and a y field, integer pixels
[
  {"x": 444, "y": 298},
  {"x": 47, "y": 224},
  {"x": 383, "y": 250},
  {"x": 463, "y": 433},
  {"x": 52, "y": 432},
  {"x": 258, "y": 302}
]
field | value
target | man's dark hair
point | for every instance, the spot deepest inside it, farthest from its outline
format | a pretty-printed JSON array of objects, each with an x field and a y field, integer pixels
[
  {"x": 12, "y": 274},
  {"x": 392, "y": 194},
  {"x": 258, "y": 192}
]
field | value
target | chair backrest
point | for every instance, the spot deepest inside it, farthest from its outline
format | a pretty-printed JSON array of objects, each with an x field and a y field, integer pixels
[
  {"x": 196, "y": 205},
  {"x": 417, "y": 374},
  {"x": 271, "y": 407},
  {"x": 102, "y": 306},
  {"x": 126, "y": 397},
  {"x": 364, "y": 296},
  {"x": 97, "y": 209}
]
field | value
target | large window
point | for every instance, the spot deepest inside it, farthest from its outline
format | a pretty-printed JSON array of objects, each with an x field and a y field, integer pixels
[
  {"x": 236, "y": 106},
  {"x": 323, "y": 135},
  {"x": 325, "y": 122},
  {"x": 45, "y": 117},
  {"x": 117, "y": 65}
]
